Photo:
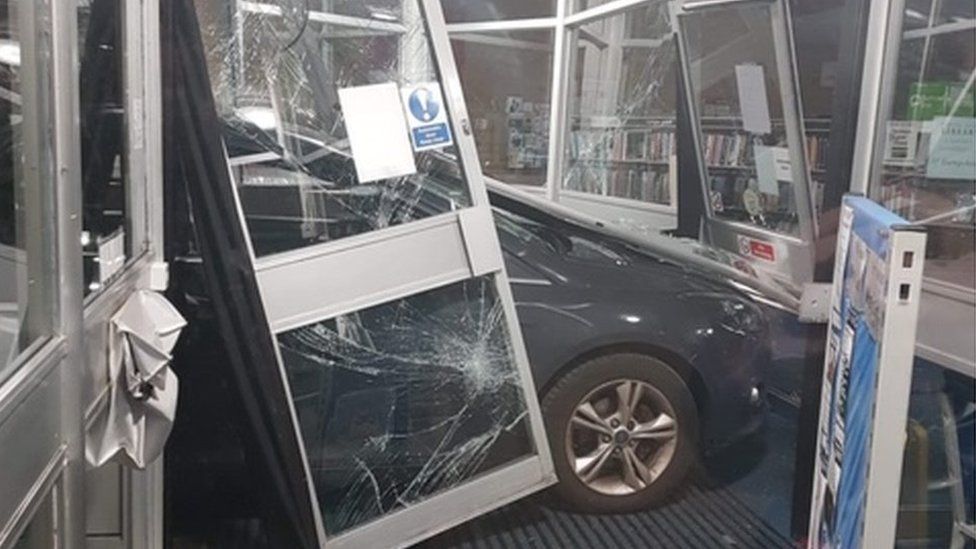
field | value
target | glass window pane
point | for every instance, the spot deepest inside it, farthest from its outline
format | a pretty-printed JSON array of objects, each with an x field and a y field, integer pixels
[
  {"x": 26, "y": 176},
  {"x": 456, "y": 11},
  {"x": 107, "y": 231},
  {"x": 722, "y": 44},
  {"x": 507, "y": 81},
  {"x": 276, "y": 75},
  {"x": 925, "y": 162},
  {"x": 621, "y": 139},
  {"x": 405, "y": 400}
]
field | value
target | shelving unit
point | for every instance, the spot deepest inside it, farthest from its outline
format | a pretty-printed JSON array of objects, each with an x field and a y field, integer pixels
[{"x": 633, "y": 159}]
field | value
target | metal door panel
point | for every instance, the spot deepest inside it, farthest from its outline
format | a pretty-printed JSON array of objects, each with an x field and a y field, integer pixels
[
  {"x": 393, "y": 323},
  {"x": 780, "y": 223}
]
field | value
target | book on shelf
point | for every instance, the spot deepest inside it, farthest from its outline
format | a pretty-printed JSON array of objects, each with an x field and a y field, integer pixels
[{"x": 649, "y": 145}]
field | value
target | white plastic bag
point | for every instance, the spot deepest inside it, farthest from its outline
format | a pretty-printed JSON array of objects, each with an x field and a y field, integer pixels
[{"x": 142, "y": 388}]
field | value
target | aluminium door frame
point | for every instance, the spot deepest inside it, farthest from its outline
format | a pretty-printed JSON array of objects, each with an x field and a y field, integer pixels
[
  {"x": 473, "y": 251},
  {"x": 789, "y": 95},
  {"x": 40, "y": 402}
]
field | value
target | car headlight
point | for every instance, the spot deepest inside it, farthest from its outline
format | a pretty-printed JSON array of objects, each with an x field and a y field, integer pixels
[{"x": 742, "y": 317}]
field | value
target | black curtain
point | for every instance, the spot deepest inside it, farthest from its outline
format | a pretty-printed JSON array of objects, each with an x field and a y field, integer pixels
[{"x": 196, "y": 167}]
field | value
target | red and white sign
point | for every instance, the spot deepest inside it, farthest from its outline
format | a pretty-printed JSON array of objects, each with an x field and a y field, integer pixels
[{"x": 758, "y": 249}]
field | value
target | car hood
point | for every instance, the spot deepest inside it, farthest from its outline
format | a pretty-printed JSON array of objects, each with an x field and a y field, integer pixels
[{"x": 718, "y": 265}]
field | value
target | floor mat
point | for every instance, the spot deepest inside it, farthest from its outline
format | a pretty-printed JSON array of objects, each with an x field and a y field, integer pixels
[{"x": 700, "y": 518}]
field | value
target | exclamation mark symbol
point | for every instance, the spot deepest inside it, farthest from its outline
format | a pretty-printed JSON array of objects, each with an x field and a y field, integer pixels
[{"x": 423, "y": 97}]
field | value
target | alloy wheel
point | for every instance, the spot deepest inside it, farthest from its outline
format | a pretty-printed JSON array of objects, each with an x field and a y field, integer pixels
[{"x": 621, "y": 437}]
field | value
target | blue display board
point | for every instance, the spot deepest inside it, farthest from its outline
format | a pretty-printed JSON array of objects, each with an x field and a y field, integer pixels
[{"x": 862, "y": 295}]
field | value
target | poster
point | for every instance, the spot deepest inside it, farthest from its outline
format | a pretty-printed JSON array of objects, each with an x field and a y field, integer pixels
[
  {"x": 951, "y": 149},
  {"x": 851, "y": 372}
]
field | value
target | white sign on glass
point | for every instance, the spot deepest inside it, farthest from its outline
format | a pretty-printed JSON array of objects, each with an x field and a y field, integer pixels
[
  {"x": 750, "y": 81},
  {"x": 377, "y": 131}
]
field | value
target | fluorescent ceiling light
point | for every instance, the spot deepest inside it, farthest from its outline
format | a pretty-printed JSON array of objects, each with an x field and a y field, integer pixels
[
  {"x": 915, "y": 15},
  {"x": 10, "y": 53},
  {"x": 262, "y": 117}
]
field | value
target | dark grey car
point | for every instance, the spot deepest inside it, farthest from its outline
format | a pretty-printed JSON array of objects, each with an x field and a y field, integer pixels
[{"x": 645, "y": 351}]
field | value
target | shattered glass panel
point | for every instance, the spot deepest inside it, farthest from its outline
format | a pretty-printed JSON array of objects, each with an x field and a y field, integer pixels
[
  {"x": 406, "y": 400},
  {"x": 621, "y": 140},
  {"x": 730, "y": 49},
  {"x": 276, "y": 69},
  {"x": 507, "y": 80}
]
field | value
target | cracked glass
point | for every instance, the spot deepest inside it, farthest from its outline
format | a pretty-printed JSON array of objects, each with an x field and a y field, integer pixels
[
  {"x": 405, "y": 400},
  {"x": 621, "y": 140},
  {"x": 276, "y": 69}
]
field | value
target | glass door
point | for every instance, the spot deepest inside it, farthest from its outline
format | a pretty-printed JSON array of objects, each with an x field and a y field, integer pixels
[
  {"x": 739, "y": 64},
  {"x": 378, "y": 264}
]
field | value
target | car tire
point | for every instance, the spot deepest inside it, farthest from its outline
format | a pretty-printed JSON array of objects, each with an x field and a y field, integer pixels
[{"x": 601, "y": 380}]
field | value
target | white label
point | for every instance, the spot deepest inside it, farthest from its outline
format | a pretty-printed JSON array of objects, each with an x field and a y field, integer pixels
[
  {"x": 901, "y": 142},
  {"x": 377, "y": 131},
  {"x": 784, "y": 168},
  {"x": 751, "y": 82},
  {"x": 772, "y": 166},
  {"x": 426, "y": 116},
  {"x": 111, "y": 256},
  {"x": 766, "y": 170}
]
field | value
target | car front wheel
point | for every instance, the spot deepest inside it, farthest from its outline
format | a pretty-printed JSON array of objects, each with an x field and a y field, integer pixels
[{"x": 623, "y": 430}]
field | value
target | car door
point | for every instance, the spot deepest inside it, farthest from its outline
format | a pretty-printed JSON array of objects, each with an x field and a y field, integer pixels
[{"x": 380, "y": 274}]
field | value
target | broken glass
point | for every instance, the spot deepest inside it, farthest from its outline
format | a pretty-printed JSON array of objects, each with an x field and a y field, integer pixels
[
  {"x": 405, "y": 400},
  {"x": 621, "y": 140},
  {"x": 276, "y": 69},
  {"x": 398, "y": 402}
]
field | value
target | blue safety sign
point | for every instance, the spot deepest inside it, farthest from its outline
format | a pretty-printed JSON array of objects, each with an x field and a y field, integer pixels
[{"x": 426, "y": 116}]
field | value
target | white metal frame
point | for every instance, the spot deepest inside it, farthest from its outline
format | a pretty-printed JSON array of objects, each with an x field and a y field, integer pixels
[
  {"x": 430, "y": 253},
  {"x": 889, "y": 415},
  {"x": 564, "y": 24},
  {"x": 40, "y": 407}
]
